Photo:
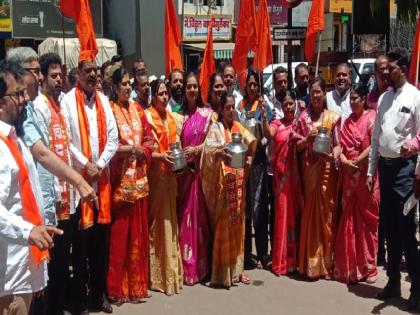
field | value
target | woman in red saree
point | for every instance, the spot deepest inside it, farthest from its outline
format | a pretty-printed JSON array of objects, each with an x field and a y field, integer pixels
[
  {"x": 128, "y": 273},
  {"x": 286, "y": 187},
  {"x": 357, "y": 236},
  {"x": 320, "y": 186}
]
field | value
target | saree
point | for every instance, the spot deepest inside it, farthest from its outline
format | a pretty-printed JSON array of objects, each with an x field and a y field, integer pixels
[
  {"x": 192, "y": 213},
  {"x": 166, "y": 274},
  {"x": 224, "y": 191},
  {"x": 288, "y": 198},
  {"x": 128, "y": 270},
  {"x": 320, "y": 189},
  {"x": 357, "y": 235}
]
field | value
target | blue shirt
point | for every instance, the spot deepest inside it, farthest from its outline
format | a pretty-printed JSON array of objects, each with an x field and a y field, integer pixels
[{"x": 32, "y": 134}]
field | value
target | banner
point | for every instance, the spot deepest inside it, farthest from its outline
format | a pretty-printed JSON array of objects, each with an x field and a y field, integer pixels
[
  {"x": 5, "y": 20},
  {"x": 196, "y": 27},
  {"x": 337, "y": 5},
  {"x": 42, "y": 19}
]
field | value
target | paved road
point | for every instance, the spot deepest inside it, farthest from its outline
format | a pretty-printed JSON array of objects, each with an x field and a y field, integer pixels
[{"x": 272, "y": 295}]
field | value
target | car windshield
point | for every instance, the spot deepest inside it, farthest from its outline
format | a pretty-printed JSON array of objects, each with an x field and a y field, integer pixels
[
  {"x": 354, "y": 72},
  {"x": 265, "y": 77}
]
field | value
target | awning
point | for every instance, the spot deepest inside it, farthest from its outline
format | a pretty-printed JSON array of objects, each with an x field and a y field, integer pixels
[{"x": 221, "y": 50}]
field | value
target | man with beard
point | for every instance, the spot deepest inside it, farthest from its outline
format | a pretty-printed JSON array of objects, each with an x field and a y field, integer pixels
[
  {"x": 229, "y": 79},
  {"x": 142, "y": 88},
  {"x": 176, "y": 82},
  {"x": 53, "y": 127},
  {"x": 397, "y": 121},
  {"x": 338, "y": 100},
  {"x": 94, "y": 141},
  {"x": 48, "y": 163},
  {"x": 302, "y": 80},
  {"x": 24, "y": 241},
  {"x": 381, "y": 82}
]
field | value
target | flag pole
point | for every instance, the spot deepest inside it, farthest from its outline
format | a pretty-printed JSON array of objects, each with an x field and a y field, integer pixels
[
  {"x": 417, "y": 70},
  {"x": 64, "y": 39},
  {"x": 317, "y": 57}
]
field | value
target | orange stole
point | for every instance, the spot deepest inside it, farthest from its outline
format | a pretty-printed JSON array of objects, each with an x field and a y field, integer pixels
[
  {"x": 245, "y": 102},
  {"x": 104, "y": 187},
  {"x": 165, "y": 135},
  {"x": 31, "y": 211},
  {"x": 59, "y": 144},
  {"x": 234, "y": 181},
  {"x": 134, "y": 182}
]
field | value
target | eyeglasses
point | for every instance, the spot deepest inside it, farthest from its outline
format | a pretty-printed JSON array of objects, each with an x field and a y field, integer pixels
[
  {"x": 15, "y": 95},
  {"x": 34, "y": 71}
]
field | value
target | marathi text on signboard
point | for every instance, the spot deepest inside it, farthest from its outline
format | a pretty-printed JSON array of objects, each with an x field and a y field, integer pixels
[
  {"x": 42, "y": 19},
  {"x": 288, "y": 33},
  {"x": 278, "y": 14},
  {"x": 196, "y": 27}
]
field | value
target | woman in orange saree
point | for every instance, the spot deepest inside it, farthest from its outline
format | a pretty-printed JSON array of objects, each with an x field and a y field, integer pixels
[
  {"x": 286, "y": 187},
  {"x": 357, "y": 235},
  {"x": 224, "y": 190},
  {"x": 320, "y": 186},
  {"x": 166, "y": 274},
  {"x": 128, "y": 272}
]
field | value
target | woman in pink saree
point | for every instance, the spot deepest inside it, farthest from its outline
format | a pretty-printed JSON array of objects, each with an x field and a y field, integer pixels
[
  {"x": 357, "y": 236},
  {"x": 286, "y": 187},
  {"x": 192, "y": 214}
]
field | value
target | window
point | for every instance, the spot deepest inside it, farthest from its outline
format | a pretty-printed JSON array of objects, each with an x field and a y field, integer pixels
[{"x": 218, "y": 3}]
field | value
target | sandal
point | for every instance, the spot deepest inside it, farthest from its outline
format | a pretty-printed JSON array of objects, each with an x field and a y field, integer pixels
[{"x": 245, "y": 279}]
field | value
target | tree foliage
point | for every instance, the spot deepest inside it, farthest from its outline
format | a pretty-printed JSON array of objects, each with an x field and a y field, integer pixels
[{"x": 406, "y": 9}]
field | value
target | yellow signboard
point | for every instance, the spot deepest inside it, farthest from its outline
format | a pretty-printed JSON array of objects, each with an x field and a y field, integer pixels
[
  {"x": 5, "y": 19},
  {"x": 337, "y": 5}
]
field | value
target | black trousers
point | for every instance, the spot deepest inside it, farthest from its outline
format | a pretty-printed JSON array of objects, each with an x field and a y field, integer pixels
[
  {"x": 257, "y": 212},
  {"x": 90, "y": 263},
  {"x": 58, "y": 268},
  {"x": 396, "y": 178}
]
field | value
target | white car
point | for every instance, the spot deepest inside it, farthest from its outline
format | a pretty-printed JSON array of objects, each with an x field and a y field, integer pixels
[
  {"x": 268, "y": 73},
  {"x": 363, "y": 65}
]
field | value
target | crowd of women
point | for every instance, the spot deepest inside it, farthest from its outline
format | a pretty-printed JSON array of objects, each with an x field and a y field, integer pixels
[{"x": 189, "y": 227}]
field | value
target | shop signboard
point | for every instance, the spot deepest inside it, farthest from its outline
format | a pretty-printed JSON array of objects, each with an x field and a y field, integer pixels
[
  {"x": 340, "y": 6},
  {"x": 42, "y": 18},
  {"x": 5, "y": 19},
  {"x": 195, "y": 27}
]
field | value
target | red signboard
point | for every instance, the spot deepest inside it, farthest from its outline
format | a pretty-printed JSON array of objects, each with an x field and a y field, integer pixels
[
  {"x": 278, "y": 13},
  {"x": 290, "y": 3}
]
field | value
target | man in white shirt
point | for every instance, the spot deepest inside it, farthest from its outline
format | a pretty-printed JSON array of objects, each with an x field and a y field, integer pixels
[
  {"x": 338, "y": 100},
  {"x": 94, "y": 141},
  {"x": 397, "y": 120},
  {"x": 176, "y": 83},
  {"x": 280, "y": 77},
  {"x": 54, "y": 128},
  {"x": 21, "y": 273},
  {"x": 229, "y": 79}
]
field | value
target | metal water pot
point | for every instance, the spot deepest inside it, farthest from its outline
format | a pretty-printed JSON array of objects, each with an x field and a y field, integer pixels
[
  {"x": 179, "y": 158},
  {"x": 237, "y": 150},
  {"x": 322, "y": 143}
]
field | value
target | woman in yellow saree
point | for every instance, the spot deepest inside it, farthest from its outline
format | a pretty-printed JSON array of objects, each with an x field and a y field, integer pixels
[
  {"x": 320, "y": 186},
  {"x": 166, "y": 274},
  {"x": 224, "y": 190}
]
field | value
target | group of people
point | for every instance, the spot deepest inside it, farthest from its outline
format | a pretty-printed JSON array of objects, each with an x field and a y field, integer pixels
[{"x": 87, "y": 184}]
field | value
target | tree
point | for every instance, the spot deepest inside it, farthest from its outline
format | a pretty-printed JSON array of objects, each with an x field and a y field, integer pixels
[{"x": 406, "y": 9}]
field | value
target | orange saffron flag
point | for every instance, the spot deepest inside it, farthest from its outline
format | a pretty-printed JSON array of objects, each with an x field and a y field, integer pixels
[
  {"x": 79, "y": 11},
  {"x": 208, "y": 66},
  {"x": 315, "y": 25},
  {"x": 264, "y": 54},
  {"x": 172, "y": 39},
  {"x": 246, "y": 38},
  {"x": 415, "y": 57}
]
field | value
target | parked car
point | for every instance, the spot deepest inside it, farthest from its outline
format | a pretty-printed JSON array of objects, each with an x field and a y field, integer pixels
[
  {"x": 268, "y": 74},
  {"x": 363, "y": 66}
]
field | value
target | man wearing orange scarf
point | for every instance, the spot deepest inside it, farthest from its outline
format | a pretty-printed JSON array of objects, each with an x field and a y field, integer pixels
[
  {"x": 24, "y": 241},
  {"x": 93, "y": 142}
]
